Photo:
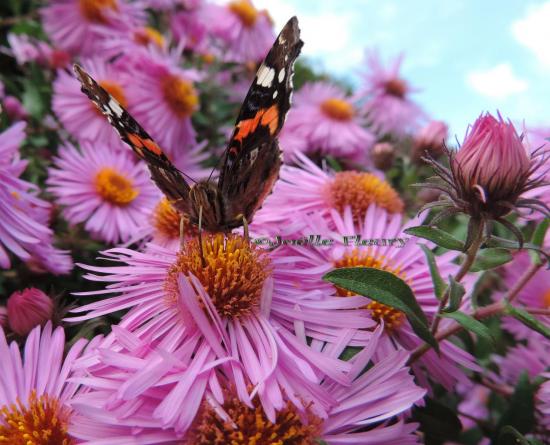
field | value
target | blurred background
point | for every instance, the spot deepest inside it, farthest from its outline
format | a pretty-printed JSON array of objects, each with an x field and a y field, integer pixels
[{"x": 462, "y": 56}]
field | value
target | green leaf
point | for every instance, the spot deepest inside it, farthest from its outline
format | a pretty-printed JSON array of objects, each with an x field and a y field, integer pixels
[
  {"x": 491, "y": 258},
  {"x": 439, "y": 284},
  {"x": 437, "y": 236},
  {"x": 349, "y": 353},
  {"x": 538, "y": 239},
  {"x": 32, "y": 100},
  {"x": 528, "y": 320},
  {"x": 520, "y": 414},
  {"x": 496, "y": 241},
  {"x": 438, "y": 422},
  {"x": 333, "y": 163},
  {"x": 387, "y": 289},
  {"x": 510, "y": 436},
  {"x": 471, "y": 324},
  {"x": 456, "y": 292}
]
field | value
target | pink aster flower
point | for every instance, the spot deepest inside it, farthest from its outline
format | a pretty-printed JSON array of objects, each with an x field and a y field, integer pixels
[
  {"x": 364, "y": 412},
  {"x": 307, "y": 188},
  {"x": 35, "y": 390},
  {"x": 532, "y": 358},
  {"x": 23, "y": 216},
  {"x": 246, "y": 32},
  {"x": 26, "y": 49},
  {"x": 104, "y": 188},
  {"x": 162, "y": 98},
  {"x": 71, "y": 24},
  {"x": 535, "y": 295},
  {"x": 230, "y": 313},
  {"x": 386, "y": 98},
  {"x": 190, "y": 27},
  {"x": 327, "y": 121},
  {"x": 393, "y": 252},
  {"x": 78, "y": 114}
]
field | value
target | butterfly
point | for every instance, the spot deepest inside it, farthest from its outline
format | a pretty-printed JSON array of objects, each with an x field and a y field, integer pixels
[{"x": 250, "y": 163}]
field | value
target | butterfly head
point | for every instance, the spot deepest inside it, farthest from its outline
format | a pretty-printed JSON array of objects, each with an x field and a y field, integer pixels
[{"x": 205, "y": 195}]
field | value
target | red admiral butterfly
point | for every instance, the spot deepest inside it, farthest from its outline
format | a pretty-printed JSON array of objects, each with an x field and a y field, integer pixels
[{"x": 252, "y": 159}]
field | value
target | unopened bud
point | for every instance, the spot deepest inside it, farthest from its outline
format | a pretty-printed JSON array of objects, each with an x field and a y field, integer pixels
[
  {"x": 28, "y": 309},
  {"x": 383, "y": 155},
  {"x": 430, "y": 140}
]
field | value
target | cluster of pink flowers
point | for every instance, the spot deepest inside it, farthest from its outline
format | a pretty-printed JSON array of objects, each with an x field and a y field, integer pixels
[{"x": 237, "y": 340}]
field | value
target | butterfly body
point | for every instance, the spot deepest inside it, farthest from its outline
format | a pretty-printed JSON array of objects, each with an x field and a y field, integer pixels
[{"x": 252, "y": 159}]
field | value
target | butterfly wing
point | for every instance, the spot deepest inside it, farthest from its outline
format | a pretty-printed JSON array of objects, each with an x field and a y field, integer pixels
[
  {"x": 252, "y": 159},
  {"x": 163, "y": 172}
]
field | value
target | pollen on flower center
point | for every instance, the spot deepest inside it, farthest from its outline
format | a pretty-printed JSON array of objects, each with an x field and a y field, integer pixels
[
  {"x": 180, "y": 95},
  {"x": 41, "y": 421},
  {"x": 115, "y": 90},
  {"x": 396, "y": 87},
  {"x": 365, "y": 258},
  {"x": 166, "y": 220},
  {"x": 249, "y": 426},
  {"x": 145, "y": 36},
  {"x": 359, "y": 190},
  {"x": 114, "y": 187},
  {"x": 233, "y": 277},
  {"x": 245, "y": 11},
  {"x": 337, "y": 109},
  {"x": 93, "y": 10}
]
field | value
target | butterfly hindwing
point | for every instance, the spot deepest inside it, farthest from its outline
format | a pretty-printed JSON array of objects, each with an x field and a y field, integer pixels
[
  {"x": 251, "y": 161},
  {"x": 163, "y": 172}
]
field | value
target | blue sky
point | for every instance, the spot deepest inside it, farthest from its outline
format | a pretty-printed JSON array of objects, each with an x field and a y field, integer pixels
[{"x": 463, "y": 56}]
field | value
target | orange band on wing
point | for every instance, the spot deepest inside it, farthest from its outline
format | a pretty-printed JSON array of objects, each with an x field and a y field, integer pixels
[
  {"x": 139, "y": 143},
  {"x": 152, "y": 146},
  {"x": 266, "y": 116}
]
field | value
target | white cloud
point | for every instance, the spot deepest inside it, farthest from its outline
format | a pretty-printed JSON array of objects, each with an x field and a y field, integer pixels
[
  {"x": 498, "y": 82},
  {"x": 533, "y": 31}
]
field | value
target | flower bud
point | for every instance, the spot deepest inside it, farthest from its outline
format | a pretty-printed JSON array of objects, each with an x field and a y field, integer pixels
[
  {"x": 383, "y": 155},
  {"x": 28, "y": 309},
  {"x": 3, "y": 317},
  {"x": 431, "y": 140},
  {"x": 492, "y": 166}
]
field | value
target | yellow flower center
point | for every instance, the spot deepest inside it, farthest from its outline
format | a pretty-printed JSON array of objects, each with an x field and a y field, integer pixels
[
  {"x": 245, "y": 11},
  {"x": 114, "y": 187},
  {"x": 337, "y": 109},
  {"x": 250, "y": 426},
  {"x": 233, "y": 274},
  {"x": 359, "y": 190},
  {"x": 148, "y": 35},
  {"x": 396, "y": 87},
  {"x": 93, "y": 10},
  {"x": 366, "y": 258},
  {"x": 42, "y": 421},
  {"x": 180, "y": 95},
  {"x": 115, "y": 90},
  {"x": 166, "y": 220}
]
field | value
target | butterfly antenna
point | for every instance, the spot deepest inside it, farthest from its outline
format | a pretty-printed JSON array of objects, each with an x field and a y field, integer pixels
[{"x": 201, "y": 251}]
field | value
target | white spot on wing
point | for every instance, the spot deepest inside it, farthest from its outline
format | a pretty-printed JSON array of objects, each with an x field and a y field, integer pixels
[
  {"x": 265, "y": 76},
  {"x": 275, "y": 94},
  {"x": 281, "y": 39},
  {"x": 281, "y": 75},
  {"x": 253, "y": 155},
  {"x": 113, "y": 104}
]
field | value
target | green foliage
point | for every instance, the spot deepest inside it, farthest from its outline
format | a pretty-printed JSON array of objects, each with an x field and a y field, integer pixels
[
  {"x": 437, "y": 236},
  {"x": 491, "y": 258},
  {"x": 438, "y": 422},
  {"x": 387, "y": 289},
  {"x": 528, "y": 320},
  {"x": 471, "y": 324},
  {"x": 439, "y": 284}
]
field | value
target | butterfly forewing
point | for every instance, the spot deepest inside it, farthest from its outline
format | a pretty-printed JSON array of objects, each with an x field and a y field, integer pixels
[
  {"x": 251, "y": 161},
  {"x": 163, "y": 172}
]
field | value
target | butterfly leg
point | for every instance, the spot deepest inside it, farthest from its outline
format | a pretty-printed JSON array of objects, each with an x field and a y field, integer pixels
[
  {"x": 245, "y": 229},
  {"x": 201, "y": 251},
  {"x": 182, "y": 232}
]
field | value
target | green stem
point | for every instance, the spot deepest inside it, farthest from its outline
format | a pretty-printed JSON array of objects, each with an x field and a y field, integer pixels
[{"x": 464, "y": 268}]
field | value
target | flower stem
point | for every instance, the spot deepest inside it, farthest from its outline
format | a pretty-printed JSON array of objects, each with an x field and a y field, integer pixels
[
  {"x": 497, "y": 308},
  {"x": 464, "y": 268}
]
